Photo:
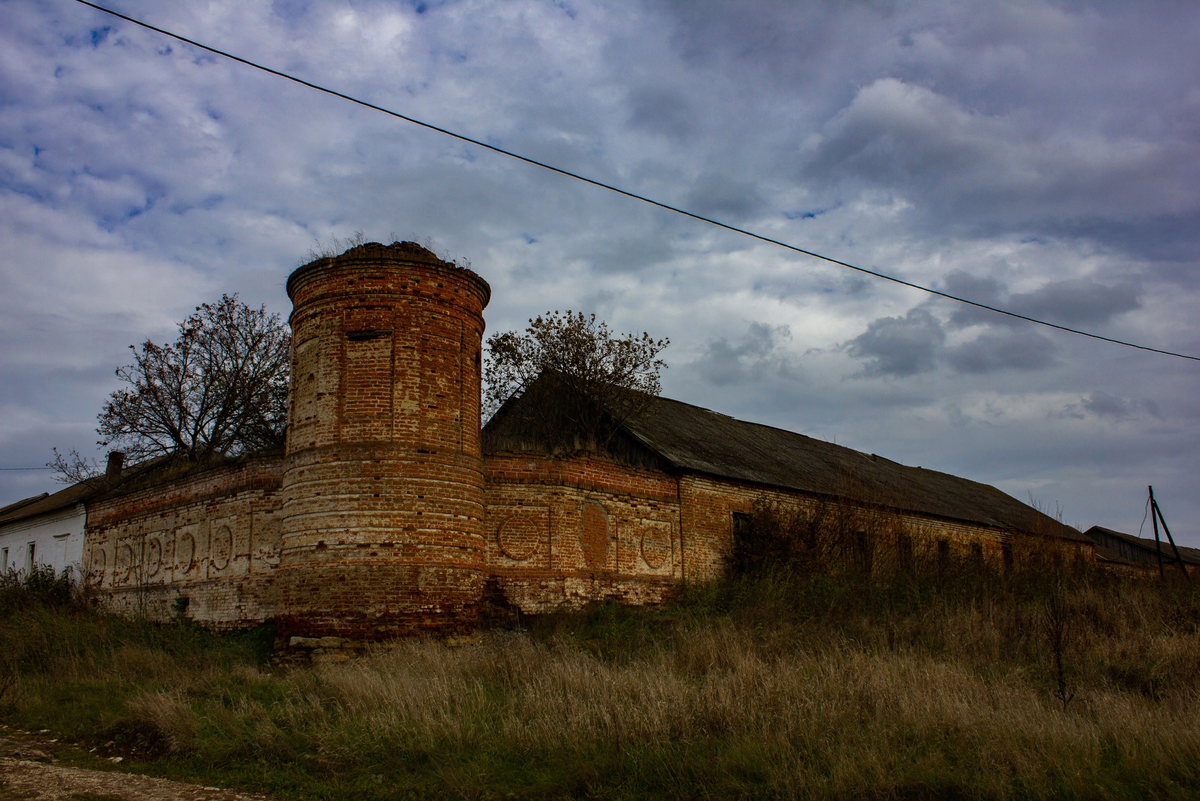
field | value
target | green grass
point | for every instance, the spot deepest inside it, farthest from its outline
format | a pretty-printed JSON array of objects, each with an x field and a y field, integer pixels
[{"x": 798, "y": 683}]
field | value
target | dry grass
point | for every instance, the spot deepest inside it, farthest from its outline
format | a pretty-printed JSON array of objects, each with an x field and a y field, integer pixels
[{"x": 783, "y": 685}]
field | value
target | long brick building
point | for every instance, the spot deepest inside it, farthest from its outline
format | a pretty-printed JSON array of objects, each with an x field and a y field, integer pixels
[{"x": 392, "y": 512}]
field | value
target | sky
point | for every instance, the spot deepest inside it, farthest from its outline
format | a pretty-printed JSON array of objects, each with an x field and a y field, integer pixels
[{"x": 1043, "y": 157}]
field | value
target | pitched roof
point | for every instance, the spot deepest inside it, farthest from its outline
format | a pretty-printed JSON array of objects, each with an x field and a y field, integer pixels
[
  {"x": 46, "y": 503},
  {"x": 77, "y": 493},
  {"x": 693, "y": 439},
  {"x": 1142, "y": 546},
  {"x": 12, "y": 507},
  {"x": 1109, "y": 555}
]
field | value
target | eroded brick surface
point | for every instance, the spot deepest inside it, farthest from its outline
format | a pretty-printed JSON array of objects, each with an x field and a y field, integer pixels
[
  {"x": 384, "y": 519},
  {"x": 211, "y": 539},
  {"x": 382, "y": 529},
  {"x": 567, "y": 531}
]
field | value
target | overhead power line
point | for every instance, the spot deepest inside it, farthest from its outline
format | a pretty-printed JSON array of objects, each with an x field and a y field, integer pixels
[{"x": 633, "y": 195}]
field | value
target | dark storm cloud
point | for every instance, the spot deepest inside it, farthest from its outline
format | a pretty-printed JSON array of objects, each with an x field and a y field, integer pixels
[
  {"x": 984, "y": 290},
  {"x": 898, "y": 135},
  {"x": 717, "y": 195},
  {"x": 998, "y": 350},
  {"x": 750, "y": 357},
  {"x": 662, "y": 111},
  {"x": 899, "y": 346},
  {"x": 1160, "y": 237},
  {"x": 1114, "y": 408},
  {"x": 985, "y": 173},
  {"x": 1075, "y": 302}
]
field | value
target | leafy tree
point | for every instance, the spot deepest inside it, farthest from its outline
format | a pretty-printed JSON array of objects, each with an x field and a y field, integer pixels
[
  {"x": 219, "y": 390},
  {"x": 583, "y": 381}
]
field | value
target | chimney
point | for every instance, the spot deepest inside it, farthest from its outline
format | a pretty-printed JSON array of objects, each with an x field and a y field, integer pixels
[{"x": 116, "y": 460}]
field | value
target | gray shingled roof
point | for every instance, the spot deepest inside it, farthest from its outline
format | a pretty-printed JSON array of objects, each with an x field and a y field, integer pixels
[{"x": 693, "y": 439}]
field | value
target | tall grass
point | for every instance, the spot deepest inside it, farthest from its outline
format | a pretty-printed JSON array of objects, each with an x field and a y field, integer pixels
[{"x": 782, "y": 683}]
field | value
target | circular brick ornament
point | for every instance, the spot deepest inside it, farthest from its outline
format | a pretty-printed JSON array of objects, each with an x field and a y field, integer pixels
[{"x": 514, "y": 541}]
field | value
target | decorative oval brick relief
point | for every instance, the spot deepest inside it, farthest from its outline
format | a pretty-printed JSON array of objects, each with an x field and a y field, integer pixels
[
  {"x": 656, "y": 543},
  {"x": 515, "y": 539},
  {"x": 124, "y": 563},
  {"x": 185, "y": 551},
  {"x": 153, "y": 557},
  {"x": 99, "y": 562},
  {"x": 221, "y": 547},
  {"x": 594, "y": 536}
]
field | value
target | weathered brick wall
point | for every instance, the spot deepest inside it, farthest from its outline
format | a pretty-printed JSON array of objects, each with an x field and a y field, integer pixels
[
  {"x": 708, "y": 505},
  {"x": 383, "y": 518},
  {"x": 383, "y": 510},
  {"x": 572, "y": 530},
  {"x": 211, "y": 537}
]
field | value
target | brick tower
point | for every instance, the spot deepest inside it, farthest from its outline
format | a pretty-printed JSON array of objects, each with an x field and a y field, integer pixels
[{"x": 383, "y": 484}]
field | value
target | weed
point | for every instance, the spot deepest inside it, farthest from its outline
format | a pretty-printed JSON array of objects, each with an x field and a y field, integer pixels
[{"x": 777, "y": 683}]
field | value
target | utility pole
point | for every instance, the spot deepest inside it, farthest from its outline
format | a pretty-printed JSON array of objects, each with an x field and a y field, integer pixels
[{"x": 1156, "y": 516}]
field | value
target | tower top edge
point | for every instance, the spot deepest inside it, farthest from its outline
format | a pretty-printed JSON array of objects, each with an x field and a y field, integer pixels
[{"x": 372, "y": 254}]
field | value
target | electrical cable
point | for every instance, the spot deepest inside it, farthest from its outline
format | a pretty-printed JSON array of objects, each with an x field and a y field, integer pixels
[{"x": 634, "y": 195}]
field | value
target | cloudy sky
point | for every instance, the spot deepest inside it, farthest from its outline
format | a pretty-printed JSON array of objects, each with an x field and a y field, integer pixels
[{"x": 1044, "y": 157}]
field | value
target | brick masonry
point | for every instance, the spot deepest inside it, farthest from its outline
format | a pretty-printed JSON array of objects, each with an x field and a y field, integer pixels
[
  {"x": 384, "y": 519},
  {"x": 211, "y": 538}
]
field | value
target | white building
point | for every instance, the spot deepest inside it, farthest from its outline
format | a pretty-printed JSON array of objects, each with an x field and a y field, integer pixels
[{"x": 44, "y": 530}]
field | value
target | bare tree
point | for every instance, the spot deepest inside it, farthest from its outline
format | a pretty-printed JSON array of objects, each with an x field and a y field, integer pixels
[
  {"x": 219, "y": 389},
  {"x": 585, "y": 381},
  {"x": 71, "y": 468}
]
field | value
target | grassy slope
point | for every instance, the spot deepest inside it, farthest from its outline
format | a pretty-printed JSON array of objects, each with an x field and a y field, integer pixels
[{"x": 782, "y": 685}]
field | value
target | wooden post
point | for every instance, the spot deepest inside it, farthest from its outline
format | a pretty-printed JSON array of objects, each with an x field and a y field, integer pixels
[
  {"x": 1157, "y": 542},
  {"x": 1156, "y": 512}
]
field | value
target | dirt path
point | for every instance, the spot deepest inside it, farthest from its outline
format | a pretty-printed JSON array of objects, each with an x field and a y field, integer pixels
[{"x": 28, "y": 773}]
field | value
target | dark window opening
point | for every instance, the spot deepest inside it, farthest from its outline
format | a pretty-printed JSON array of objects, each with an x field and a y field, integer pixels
[
  {"x": 943, "y": 554},
  {"x": 1007, "y": 552},
  {"x": 367, "y": 335},
  {"x": 904, "y": 552},
  {"x": 862, "y": 550}
]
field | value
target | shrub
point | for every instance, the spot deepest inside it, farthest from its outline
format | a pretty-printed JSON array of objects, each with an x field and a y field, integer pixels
[{"x": 39, "y": 586}]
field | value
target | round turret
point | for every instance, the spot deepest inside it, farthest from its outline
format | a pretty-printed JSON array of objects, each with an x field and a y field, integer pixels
[{"x": 383, "y": 486}]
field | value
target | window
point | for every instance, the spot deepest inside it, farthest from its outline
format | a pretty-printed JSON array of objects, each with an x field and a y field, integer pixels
[
  {"x": 742, "y": 524},
  {"x": 862, "y": 550},
  {"x": 1006, "y": 550},
  {"x": 943, "y": 554},
  {"x": 977, "y": 553},
  {"x": 904, "y": 552},
  {"x": 29, "y": 556},
  {"x": 4, "y": 557}
]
